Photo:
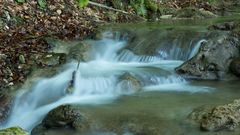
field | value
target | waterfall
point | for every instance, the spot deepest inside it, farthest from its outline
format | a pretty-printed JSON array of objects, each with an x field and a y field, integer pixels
[{"x": 96, "y": 81}]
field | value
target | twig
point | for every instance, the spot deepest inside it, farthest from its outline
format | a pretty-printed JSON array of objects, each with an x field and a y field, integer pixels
[
  {"x": 110, "y": 8},
  {"x": 113, "y": 9},
  {"x": 78, "y": 65}
]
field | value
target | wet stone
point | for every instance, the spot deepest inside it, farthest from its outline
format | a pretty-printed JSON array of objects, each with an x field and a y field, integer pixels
[
  {"x": 223, "y": 117},
  {"x": 63, "y": 117},
  {"x": 22, "y": 59}
]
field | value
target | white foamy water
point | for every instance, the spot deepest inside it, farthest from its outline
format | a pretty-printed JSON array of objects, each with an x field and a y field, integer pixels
[{"x": 96, "y": 82}]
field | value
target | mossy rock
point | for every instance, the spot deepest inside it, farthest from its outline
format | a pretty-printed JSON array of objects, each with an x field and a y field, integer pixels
[
  {"x": 63, "y": 117},
  {"x": 13, "y": 131},
  {"x": 191, "y": 12},
  {"x": 129, "y": 83},
  {"x": 79, "y": 52}
]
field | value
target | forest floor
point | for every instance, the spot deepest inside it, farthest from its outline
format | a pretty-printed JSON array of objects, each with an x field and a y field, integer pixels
[{"x": 25, "y": 25}]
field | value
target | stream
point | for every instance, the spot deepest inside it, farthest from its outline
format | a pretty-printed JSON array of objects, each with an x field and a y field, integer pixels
[{"x": 159, "y": 104}]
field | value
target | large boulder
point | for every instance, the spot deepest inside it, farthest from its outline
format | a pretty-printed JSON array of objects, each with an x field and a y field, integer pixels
[
  {"x": 223, "y": 117},
  {"x": 63, "y": 117},
  {"x": 13, "y": 131},
  {"x": 213, "y": 59}
]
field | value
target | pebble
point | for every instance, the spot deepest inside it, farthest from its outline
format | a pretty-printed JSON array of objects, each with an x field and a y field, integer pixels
[
  {"x": 3, "y": 56},
  {"x": 59, "y": 12},
  {"x": 21, "y": 59},
  {"x": 11, "y": 84}
]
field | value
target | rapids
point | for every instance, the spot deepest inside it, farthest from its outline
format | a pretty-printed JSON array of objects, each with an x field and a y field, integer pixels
[{"x": 97, "y": 81}]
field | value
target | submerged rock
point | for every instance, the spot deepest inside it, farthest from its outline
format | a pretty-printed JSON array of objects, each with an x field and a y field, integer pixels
[
  {"x": 198, "y": 114},
  {"x": 224, "y": 117},
  {"x": 13, "y": 131},
  {"x": 62, "y": 117},
  {"x": 212, "y": 60},
  {"x": 129, "y": 83},
  {"x": 223, "y": 26}
]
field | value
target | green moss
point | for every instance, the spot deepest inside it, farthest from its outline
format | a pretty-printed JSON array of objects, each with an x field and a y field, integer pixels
[{"x": 13, "y": 131}]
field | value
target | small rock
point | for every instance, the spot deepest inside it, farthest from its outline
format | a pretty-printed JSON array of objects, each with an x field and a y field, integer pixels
[
  {"x": 3, "y": 56},
  {"x": 59, "y": 12},
  {"x": 11, "y": 84},
  {"x": 22, "y": 59},
  {"x": 54, "y": 18},
  {"x": 166, "y": 17}
]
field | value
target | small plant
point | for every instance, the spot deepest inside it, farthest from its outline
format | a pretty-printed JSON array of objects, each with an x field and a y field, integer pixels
[
  {"x": 83, "y": 3},
  {"x": 20, "y": 1},
  {"x": 42, "y": 3},
  {"x": 139, "y": 7},
  {"x": 212, "y": 1}
]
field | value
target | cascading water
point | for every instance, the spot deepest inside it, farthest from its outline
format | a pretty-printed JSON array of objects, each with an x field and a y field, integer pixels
[{"x": 97, "y": 81}]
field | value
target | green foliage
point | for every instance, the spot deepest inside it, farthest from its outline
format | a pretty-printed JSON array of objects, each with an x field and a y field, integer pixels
[
  {"x": 119, "y": 4},
  {"x": 83, "y": 3},
  {"x": 151, "y": 5},
  {"x": 20, "y": 1},
  {"x": 42, "y": 3},
  {"x": 139, "y": 7},
  {"x": 213, "y": 1},
  {"x": 142, "y": 6}
]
